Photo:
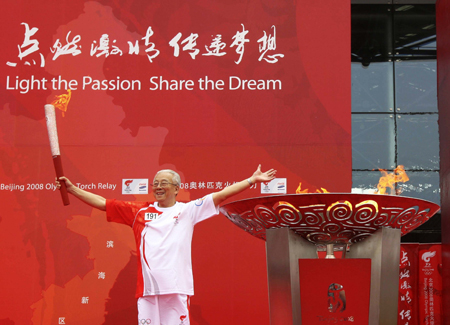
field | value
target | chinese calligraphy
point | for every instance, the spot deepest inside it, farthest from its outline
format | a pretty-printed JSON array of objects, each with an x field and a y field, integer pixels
[
  {"x": 70, "y": 48},
  {"x": 104, "y": 47},
  {"x": 28, "y": 47},
  {"x": 268, "y": 43},
  {"x": 239, "y": 42}
]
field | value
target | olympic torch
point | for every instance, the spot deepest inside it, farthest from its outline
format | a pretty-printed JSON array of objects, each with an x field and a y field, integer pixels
[{"x": 50, "y": 117}]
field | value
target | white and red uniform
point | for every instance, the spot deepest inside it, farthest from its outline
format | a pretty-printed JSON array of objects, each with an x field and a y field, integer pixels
[{"x": 163, "y": 242}]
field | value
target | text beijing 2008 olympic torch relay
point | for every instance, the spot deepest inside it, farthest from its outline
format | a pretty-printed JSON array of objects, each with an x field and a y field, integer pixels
[{"x": 50, "y": 117}]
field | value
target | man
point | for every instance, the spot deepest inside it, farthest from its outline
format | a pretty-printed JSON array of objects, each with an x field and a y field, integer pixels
[{"x": 163, "y": 233}]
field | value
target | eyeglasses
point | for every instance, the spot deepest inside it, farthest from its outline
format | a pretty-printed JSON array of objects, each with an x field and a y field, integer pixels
[{"x": 163, "y": 184}]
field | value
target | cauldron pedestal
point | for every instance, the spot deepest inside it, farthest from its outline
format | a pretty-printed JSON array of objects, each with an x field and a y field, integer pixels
[{"x": 294, "y": 226}]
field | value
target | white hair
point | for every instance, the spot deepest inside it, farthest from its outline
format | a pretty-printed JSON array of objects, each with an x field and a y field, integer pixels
[{"x": 175, "y": 176}]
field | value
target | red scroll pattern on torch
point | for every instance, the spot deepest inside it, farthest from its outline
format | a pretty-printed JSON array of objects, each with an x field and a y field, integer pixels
[{"x": 329, "y": 217}]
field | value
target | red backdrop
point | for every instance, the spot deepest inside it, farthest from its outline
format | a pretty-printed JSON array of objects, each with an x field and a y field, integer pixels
[{"x": 67, "y": 264}]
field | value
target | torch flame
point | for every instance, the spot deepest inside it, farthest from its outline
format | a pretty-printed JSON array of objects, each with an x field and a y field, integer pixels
[
  {"x": 386, "y": 181},
  {"x": 62, "y": 101},
  {"x": 389, "y": 180},
  {"x": 300, "y": 191}
]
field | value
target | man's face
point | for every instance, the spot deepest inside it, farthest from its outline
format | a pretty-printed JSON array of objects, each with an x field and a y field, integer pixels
[{"x": 165, "y": 195}]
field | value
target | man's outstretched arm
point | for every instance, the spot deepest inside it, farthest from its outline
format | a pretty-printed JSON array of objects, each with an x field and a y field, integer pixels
[
  {"x": 257, "y": 177},
  {"x": 89, "y": 198}
]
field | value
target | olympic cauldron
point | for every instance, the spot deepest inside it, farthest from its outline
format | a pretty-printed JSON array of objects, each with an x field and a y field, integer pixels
[
  {"x": 296, "y": 226},
  {"x": 329, "y": 218}
]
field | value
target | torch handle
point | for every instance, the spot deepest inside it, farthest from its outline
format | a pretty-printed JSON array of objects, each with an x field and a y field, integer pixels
[{"x": 59, "y": 172}]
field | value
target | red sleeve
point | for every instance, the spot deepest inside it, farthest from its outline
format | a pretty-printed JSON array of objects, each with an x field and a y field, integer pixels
[{"x": 123, "y": 211}]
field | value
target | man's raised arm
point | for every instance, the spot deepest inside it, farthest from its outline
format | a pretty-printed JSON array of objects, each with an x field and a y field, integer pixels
[
  {"x": 257, "y": 177},
  {"x": 89, "y": 198}
]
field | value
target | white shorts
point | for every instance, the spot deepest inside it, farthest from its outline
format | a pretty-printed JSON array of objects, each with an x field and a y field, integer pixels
[{"x": 163, "y": 310}]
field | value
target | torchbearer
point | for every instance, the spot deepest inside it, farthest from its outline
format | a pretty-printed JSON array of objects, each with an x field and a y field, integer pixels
[{"x": 163, "y": 233}]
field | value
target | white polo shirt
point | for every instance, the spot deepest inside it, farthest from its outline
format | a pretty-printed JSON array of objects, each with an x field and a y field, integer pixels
[{"x": 163, "y": 241}]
